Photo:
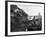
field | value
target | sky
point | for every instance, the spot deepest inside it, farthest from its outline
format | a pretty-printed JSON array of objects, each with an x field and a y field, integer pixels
[{"x": 32, "y": 10}]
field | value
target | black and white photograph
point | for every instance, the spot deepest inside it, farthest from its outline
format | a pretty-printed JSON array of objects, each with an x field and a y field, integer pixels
[{"x": 25, "y": 18}]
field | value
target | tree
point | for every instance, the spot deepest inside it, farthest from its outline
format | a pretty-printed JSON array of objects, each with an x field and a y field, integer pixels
[{"x": 19, "y": 19}]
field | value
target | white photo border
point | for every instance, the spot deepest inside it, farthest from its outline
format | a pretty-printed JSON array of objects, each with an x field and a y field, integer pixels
[{"x": 7, "y": 21}]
